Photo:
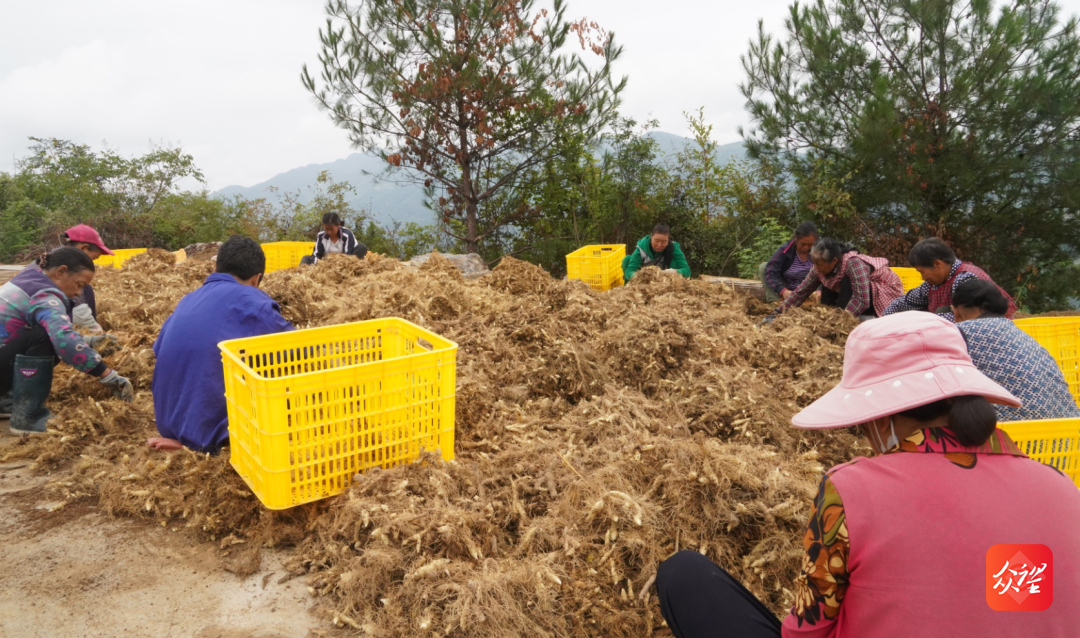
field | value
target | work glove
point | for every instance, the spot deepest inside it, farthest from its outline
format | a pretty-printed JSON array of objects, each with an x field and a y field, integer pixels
[
  {"x": 767, "y": 320},
  {"x": 83, "y": 318},
  {"x": 104, "y": 344},
  {"x": 120, "y": 386}
]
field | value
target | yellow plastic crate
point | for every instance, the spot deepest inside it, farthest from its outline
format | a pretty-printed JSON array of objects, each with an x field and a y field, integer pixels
[
  {"x": 599, "y": 265},
  {"x": 117, "y": 260},
  {"x": 309, "y": 409},
  {"x": 909, "y": 277},
  {"x": 1054, "y": 442},
  {"x": 1061, "y": 337},
  {"x": 286, "y": 254}
]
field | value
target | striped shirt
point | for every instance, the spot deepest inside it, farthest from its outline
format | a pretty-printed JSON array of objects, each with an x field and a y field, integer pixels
[{"x": 797, "y": 271}]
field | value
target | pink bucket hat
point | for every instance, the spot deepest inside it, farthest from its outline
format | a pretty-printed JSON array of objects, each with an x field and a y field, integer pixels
[
  {"x": 85, "y": 234},
  {"x": 898, "y": 362}
]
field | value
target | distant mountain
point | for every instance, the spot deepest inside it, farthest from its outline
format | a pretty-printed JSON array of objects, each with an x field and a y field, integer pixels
[
  {"x": 670, "y": 145},
  {"x": 389, "y": 202},
  {"x": 386, "y": 201}
]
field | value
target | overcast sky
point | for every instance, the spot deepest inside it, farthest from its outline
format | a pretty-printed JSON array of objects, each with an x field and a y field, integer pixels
[{"x": 221, "y": 77}]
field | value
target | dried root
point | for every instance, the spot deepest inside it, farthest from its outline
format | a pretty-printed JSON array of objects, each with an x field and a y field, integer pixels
[{"x": 597, "y": 433}]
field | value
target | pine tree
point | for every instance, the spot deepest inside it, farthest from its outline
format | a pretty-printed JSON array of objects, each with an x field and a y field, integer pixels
[
  {"x": 948, "y": 117},
  {"x": 464, "y": 96}
]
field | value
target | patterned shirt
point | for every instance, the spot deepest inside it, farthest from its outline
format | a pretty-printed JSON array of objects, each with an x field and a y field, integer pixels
[
  {"x": 825, "y": 577},
  {"x": 31, "y": 300},
  {"x": 930, "y": 298},
  {"x": 1009, "y": 356},
  {"x": 864, "y": 277}
]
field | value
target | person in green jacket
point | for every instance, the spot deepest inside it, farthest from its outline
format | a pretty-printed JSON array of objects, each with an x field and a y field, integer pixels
[{"x": 657, "y": 250}]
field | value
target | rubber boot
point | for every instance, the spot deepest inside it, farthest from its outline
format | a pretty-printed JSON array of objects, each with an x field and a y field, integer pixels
[
  {"x": 5, "y": 405},
  {"x": 30, "y": 388}
]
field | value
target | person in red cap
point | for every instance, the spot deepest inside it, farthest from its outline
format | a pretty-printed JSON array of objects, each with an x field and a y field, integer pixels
[
  {"x": 84, "y": 305},
  {"x": 897, "y": 544}
]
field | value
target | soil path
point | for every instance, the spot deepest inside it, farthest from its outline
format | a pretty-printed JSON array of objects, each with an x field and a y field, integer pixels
[{"x": 75, "y": 571}]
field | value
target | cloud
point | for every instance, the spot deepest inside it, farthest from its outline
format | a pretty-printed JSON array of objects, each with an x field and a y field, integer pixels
[
  {"x": 222, "y": 78},
  {"x": 221, "y": 82}
]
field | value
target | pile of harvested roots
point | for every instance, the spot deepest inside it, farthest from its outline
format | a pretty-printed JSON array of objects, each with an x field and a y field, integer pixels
[{"x": 597, "y": 433}]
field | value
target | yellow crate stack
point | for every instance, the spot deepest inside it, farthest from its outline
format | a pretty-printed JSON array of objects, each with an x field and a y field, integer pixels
[
  {"x": 1055, "y": 442},
  {"x": 909, "y": 277},
  {"x": 117, "y": 260},
  {"x": 599, "y": 265},
  {"x": 309, "y": 409},
  {"x": 286, "y": 254},
  {"x": 1061, "y": 337}
]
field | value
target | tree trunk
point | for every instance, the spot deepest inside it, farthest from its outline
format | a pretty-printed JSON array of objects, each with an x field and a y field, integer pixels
[
  {"x": 468, "y": 193},
  {"x": 471, "y": 230}
]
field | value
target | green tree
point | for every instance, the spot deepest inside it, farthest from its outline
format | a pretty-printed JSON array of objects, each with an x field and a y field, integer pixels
[
  {"x": 563, "y": 192},
  {"x": 634, "y": 187},
  {"x": 465, "y": 95},
  {"x": 403, "y": 242},
  {"x": 713, "y": 208},
  {"x": 761, "y": 247},
  {"x": 940, "y": 117},
  {"x": 72, "y": 183},
  {"x": 552, "y": 205},
  {"x": 19, "y": 219},
  {"x": 702, "y": 179},
  {"x": 726, "y": 211},
  {"x": 296, "y": 216},
  {"x": 186, "y": 218}
]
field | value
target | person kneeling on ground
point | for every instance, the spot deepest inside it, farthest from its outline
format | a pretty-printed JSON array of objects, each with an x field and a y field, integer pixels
[
  {"x": 789, "y": 265},
  {"x": 942, "y": 272},
  {"x": 896, "y": 545},
  {"x": 1010, "y": 356},
  {"x": 83, "y": 306},
  {"x": 333, "y": 238},
  {"x": 189, "y": 384},
  {"x": 657, "y": 250},
  {"x": 859, "y": 284},
  {"x": 36, "y": 332}
]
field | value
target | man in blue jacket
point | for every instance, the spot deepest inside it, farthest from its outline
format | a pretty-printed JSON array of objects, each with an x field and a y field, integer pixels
[{"x": 189, "y": 384}]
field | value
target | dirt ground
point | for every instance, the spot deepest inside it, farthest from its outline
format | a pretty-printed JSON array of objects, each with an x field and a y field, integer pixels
[{"x": 77, "y": 572}]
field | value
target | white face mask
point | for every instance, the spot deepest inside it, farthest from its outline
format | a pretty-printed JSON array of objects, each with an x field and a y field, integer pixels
[
  {"x": 888, "y": 444},
  {"x": 893, "y": 442}
]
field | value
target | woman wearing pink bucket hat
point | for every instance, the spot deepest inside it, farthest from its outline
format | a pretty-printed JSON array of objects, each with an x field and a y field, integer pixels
[{"x": 901, "y": 544}]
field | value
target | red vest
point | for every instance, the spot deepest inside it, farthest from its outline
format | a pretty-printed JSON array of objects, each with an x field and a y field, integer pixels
[
  {"x": 942, "y": 296},
  {"x": 920, "y": 528}
]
